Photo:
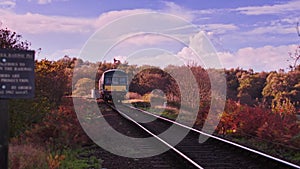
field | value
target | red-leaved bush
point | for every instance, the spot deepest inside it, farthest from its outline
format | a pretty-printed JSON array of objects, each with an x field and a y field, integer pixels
[
  {"x": 26, "y": 157},
  {"x": 60, "y": 128},
  {"x": 275, "y": 126}
]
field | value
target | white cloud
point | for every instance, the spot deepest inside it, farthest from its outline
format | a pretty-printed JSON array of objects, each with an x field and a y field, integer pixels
[
  {"x": 200, "y": 51},
  {"x": 271, "y": 9},
  {"x": 289, "y": 20},
  {"x": 197, "y": 15},
  {"x": 42, "y": 2},
  {"x": 219, "y": 28},
  {"x": 7, "y": 4},
  {"x": 173, "y": 8},
  {"x": 154, "y": 58},
  {"x": 37, "y": 23},
  {"x": 146, "y": 39},
  {"x": 189, "y": 14},
  {"x": 188, "y": 56},
  {"x": 32, "y": 23},
  {"x": 260, "y": 59},
  {"x": 162, "y": 56},
  {"x": 106, "y": 18},
  {"x": 276, "y": 29},
  {"x": 58, "y": 54}
]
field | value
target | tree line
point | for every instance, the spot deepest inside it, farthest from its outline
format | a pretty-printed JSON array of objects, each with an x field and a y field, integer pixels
[{"x": 54, "y": 81}]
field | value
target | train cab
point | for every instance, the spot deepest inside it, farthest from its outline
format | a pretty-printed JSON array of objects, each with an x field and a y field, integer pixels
[{"x": 113, "y": 84}]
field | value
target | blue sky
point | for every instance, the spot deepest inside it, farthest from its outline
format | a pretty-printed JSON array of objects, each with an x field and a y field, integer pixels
[{"x": 254, "y": 34}]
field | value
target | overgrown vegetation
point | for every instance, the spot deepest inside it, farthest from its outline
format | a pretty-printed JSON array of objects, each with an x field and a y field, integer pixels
[
  {"x": 260, "y": 107},
  {"x": 45, "y": 132}
]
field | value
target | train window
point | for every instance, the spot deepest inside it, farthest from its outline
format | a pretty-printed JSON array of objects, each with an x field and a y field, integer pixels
[
  {"x": 122, "y": 80},
  {"x": 108, "y": 80},
  {"x": 115, "y": 80}
]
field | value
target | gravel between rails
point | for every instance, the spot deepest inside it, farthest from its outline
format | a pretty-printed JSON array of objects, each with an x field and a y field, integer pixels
[
  {"x": 212, "y": 154},
  {"x": 167, "y": 160}
]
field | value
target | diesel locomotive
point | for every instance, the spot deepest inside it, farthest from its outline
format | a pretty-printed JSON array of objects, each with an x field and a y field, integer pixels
[{"x": 113, "y": 84}]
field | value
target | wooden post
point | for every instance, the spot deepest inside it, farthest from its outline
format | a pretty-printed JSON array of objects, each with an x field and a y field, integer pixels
[{"x": 4, "y": 134}]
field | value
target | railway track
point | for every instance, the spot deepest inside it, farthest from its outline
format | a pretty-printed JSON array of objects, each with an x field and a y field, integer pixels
[
  {"x": 188, "y": 153},
  {"x": 214, "y": 153},
  {"x": 167, "y": 160}
]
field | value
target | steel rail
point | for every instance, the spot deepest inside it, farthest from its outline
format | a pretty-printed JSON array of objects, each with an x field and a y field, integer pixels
[
  {"x": 158, "y": 138},
  {"x": 220, "y": 139}
]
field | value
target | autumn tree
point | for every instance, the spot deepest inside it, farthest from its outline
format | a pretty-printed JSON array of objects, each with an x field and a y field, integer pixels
[
  {"x": 52, "y": 82},
  {"x": 203, "y": 81},
  {"x": 53, "y": 79},
  {"x": 148, "y": 80},
  {"x": 251, "y": 87},
  {"x": 12, "y": 40},
  {"x": 232, "y": 84},
  {"x": 83, "y": 87},
  {"x": 281, "y": 86}
]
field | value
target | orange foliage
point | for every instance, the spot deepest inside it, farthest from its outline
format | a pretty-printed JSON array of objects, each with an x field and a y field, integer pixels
[
  {"x": 26, "y": 156},
  {"x": 54, "y": 161},
  {"x": 258, "y": 122},
  {"x": 60, "y": 128}
]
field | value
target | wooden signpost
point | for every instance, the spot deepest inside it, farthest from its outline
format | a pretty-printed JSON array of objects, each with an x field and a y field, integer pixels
[{"x": 16, "y": 81}]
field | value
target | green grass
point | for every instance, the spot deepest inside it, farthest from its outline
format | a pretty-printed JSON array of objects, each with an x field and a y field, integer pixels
[
  {"x": 281, "y": 152},
  {"x": 79, "y": 159}
]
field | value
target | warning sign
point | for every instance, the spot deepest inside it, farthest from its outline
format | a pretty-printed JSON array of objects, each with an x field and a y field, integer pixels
[{"x": 16, "y": 73}]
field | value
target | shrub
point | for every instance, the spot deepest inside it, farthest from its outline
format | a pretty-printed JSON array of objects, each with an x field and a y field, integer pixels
[
  {"x": 279, "y": 126},
  {"x": 27, "y": 157},
  {"x": 73, "y": 161},
  {"x": 24, "y": 113},
  {"x": 59, "y": 129},
  {"x": 133, "y": 95}
]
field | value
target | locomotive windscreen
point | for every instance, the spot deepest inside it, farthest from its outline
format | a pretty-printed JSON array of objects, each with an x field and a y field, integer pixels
[{"x": 115, "y": 78}]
